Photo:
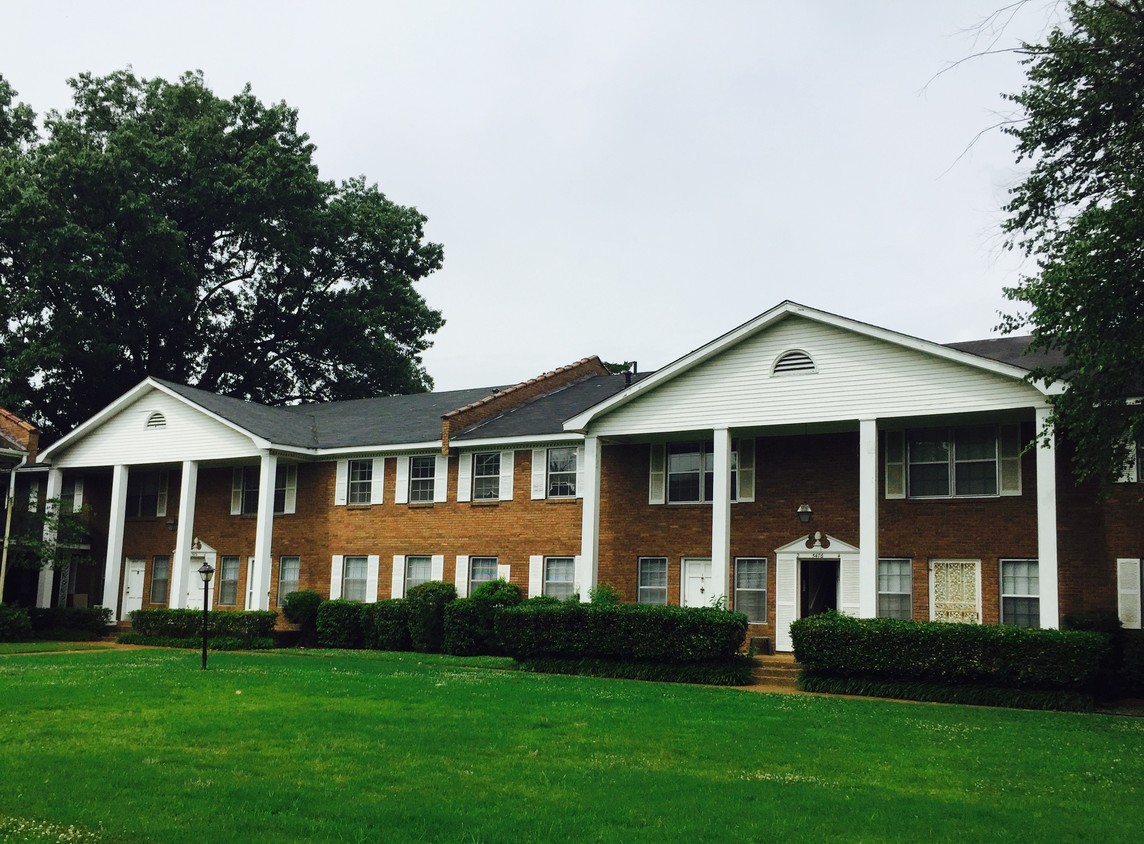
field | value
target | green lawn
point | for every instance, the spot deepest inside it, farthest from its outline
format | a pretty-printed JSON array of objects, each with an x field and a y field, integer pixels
[{"x": 143, "y": 746}]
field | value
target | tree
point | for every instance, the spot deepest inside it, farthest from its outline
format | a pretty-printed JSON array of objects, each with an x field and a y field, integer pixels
[
  {"x": 161, "y": 230},
  {"x": 1079, "y": 212}
]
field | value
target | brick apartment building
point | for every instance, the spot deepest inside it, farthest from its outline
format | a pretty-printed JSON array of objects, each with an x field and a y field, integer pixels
[{"x": 800, "y": 462}]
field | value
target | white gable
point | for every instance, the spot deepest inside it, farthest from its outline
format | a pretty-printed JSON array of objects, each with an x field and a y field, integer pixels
[
  {"x": 854, "y": 376},
  {"x": 125, "y": 438}
]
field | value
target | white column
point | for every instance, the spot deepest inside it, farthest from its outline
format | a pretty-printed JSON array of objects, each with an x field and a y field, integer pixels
[
  {"x": 867, "y": 518},
  {"x": 113, "y": 567},
  {"x": 51, "y": 532},
  {"x": 721, "y": 514},
  {"x": 181, "y": 565},
  {"x": 1047, "y": 521},
  {"x": 588, "y": 566},
  {"x": 264, "y": 532}
]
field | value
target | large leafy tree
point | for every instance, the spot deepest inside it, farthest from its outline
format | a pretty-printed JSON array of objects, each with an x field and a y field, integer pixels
[
  {"x": 1079, "y": 213},
  {"x": 157, "y": 229}
]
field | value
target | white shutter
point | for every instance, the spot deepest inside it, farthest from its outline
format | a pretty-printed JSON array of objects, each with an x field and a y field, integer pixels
[
  {"x": 77, "y": 496},
  {"x": 161, "y": 503},
  {"x": 535, "y": 576},
  {"x": 506, "y": 461},
  {"x": 540, "y": 473},
  {"x": 504, "y": 572},
  {"x": 785, "y": 597},
  {"x": 1128, "y": 592},
  {"x": 236, "y": 491},
  {"x": 1009, "y": 448},
  {"x": 401, "y": 494},
  {"x": 33, "y": 495},
  {"x": 377, "y": 482},
  {"x": 849, "y": 586},
  {"x": 657, "y": 477},
  {"x": 373, "y": 563},
  {"x": 291, "y": 489},
  {"x": 342, "y": 482},
  {"x": 895, "y": 464},
  {"x": 465, "y": 476},
  {"x": 580, "y": 470},
  {"x": 397, "y": 582},
  {"x": 441, "y": 481},
  {"x": 437, "y": 567},
  {"x": 336, "y": 577},
  {"x": 1129, "y": 474},
  {"x": 461, "y": 577},
  {"x": 747, "y": 469}
]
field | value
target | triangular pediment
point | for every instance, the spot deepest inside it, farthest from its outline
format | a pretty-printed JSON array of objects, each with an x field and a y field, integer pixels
[{"x": 816, "y": 542}]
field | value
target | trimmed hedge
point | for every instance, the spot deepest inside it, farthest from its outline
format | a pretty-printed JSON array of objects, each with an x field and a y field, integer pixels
[
  {"x": 387, "y": 625},
  {"x": 631, "y": 632},
  {"x": 70, "y": 624},
  {"x": 938, "y": 693},
  {"x": 993, "y": 655},
  {"x": 736, "y": 671},
  {"x": 167, "y": 624},
  {"x": 426, "y": 603},
  {"x": 214, "y": 643},
  {"x": 469, "y": 622},
  {"x": 15, "y": 625},
  {"x": 301, "y": 608},
  {"x": 342, "y": 624}
]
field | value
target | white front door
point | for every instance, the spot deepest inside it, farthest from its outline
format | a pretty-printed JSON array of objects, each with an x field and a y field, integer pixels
[
  {"x": 955, "y": 591},
  {"x": 135, "y": 572},
  {"x": 697, "y": 588},
  {"x": 195, "y": 581}
]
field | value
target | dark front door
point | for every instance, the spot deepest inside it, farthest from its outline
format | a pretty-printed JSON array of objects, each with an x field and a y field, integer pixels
[{"x": 819, "y": 586}]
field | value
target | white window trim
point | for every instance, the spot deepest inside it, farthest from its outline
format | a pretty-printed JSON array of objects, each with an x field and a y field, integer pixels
[
  {"x": 1002, "y": 594},
  {"x": 639, "y": 580},
  {"x": 1002, "y": 462},
  {"x": 281, "y": 567},
  {"x": 765, "y": 590},
  {"x": 878, "y": 591}
]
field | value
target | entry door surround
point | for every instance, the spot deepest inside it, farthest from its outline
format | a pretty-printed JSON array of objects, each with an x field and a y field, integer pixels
[{"x": 788, "y": 583}]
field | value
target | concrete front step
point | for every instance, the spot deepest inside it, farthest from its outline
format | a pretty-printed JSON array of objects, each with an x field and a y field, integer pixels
[{"x": 776, "y": 670}]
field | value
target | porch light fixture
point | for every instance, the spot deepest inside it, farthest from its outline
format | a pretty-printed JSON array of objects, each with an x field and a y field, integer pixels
[
  {"x": 206, "y": 572},
  {"x": 172, "y": 524},
  {"x": 804, "y": 513}
]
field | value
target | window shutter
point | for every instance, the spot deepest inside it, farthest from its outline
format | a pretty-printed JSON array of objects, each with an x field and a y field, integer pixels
[
  {"x": 336, "y": 577},
  {"x": 657, "y": 479},
  {"x": 540, "y": 473},
  {"x": 850, "y": 587},
  {"x": 441, "y": 481},
  {"x": 895, "y": 464},
  {"x": 342, "y": 482},
  {"x": 1128, "y": 592},
  {"x": 1129, "y": 475},
  {"x": 503, "y": 572},
  {"x": 506, "y": 460},
  {"x": 77, "y": 496},
  {"x": 33, "y": 495},
  {"x": 578, "y": 578},
  {"x": 373, "y": 563},
  {"x": 465, "y": 476},
  {"x": 236, "y": 491},
  {"x": 397, "y": 583},
  {"x": 747, "y": 469},
  {"x": 161, "y": 501},
  {"x": 291, "y": 489},
  {"x": 1010, "y": 451},
  {"x": 580, "y": 470},
  {"x": 535, "y": 576},
  {"x": 461, "y": 578},
  {"x": 401, "y": 493},
  {"x": 377, "y": 482},
  {"x": 437, "y": 567}
]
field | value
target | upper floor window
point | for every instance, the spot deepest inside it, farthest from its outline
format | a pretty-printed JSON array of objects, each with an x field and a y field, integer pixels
[
  {"x": 965, "y": 461},
  {"x": 360, "y": 481},
  {"x": 146, "y": 494},
  {"x": 486, "y": 476},
  {"x": 562, "y": 472},
  {"x": 691, "y": 473},
  {"x": 244, "y": 493},
  {"x": 422, "y": 469}
]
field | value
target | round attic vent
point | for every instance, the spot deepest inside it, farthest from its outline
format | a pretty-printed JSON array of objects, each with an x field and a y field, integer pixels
[
  {"x": 156, "y": 420},
  {"x": 795, "y": 360}
]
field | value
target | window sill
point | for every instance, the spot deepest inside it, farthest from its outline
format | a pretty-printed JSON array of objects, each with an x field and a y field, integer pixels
[
  {"x": 488, "y": 503},
  {"x": 421, "y": 505}
]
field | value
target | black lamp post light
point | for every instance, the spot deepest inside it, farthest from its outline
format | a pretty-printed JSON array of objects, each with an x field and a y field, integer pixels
[{"x": 206, "y": 572}]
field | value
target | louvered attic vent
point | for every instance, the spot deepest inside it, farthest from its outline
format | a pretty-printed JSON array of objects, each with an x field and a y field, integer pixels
[
  {"x": 793, "y": 361},
  {"x": 156, "y": 420}
]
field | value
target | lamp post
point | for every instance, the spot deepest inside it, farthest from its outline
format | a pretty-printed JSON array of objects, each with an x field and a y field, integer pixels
[{"x": 206, "y": 572}]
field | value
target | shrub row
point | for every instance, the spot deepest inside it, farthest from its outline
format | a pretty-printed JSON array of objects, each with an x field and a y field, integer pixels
[
  {"x": 214, "y": 643},
  {"x": 188, "y": 624},
  {"x": 735, "y": 671},
  {"x": 383, "y": 626},
  {"x": 633, "y": 632},
  {"x": 70, "y": 623},
  {"x": 992, "y": 655},
  {"x": 1122, "y": 674},
  {"x": 938, "y": 693},
  {"x": 15, "y": 626},
  {"x": 470, "y": 622}
]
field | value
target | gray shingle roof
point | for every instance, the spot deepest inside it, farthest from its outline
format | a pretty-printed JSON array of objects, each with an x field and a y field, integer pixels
[{"x": 1010, "y": 350}]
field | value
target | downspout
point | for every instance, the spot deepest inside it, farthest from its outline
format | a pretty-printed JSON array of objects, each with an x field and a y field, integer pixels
[{"x": 8, "y": 522}]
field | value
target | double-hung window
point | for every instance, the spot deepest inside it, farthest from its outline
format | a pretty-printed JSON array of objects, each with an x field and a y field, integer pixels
[
  {"x": 1020, "y": 593},
  {"x": 562, "y": 472},
  {"x": 360, "y": 479},
  {"x": 481, "y": 570},
  {"x": 422, "y": 469},
  {"x": 146, "y": 494},
  {"x": 244, "y": 494},
  {"x": 355, "y": 571},
  {"x": 691, "y": 473},
  {"x": 652, "y": 580},
  {"x": 945, "y": 462},
  {"x": 418, "y": 570},
  {"x": 288, "y": 571},
  {"x": 559, "y": 576},
  {"x": 486, "y": 476},
  {"x": 751, "y": 588},
  {"x": 895, "y": 589},
  {"x": 228, "y": 582},
  {"x": 160, "y": 579}
]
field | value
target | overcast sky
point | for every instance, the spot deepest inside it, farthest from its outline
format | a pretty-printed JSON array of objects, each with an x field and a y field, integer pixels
[{"x": 627, "y": 179}]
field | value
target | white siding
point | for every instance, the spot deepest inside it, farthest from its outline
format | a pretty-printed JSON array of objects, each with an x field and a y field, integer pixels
[
  {"x": 857, "y": 377},
  {"x": 125, "y": 439}
]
